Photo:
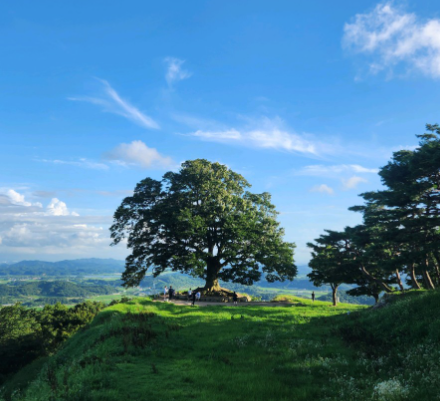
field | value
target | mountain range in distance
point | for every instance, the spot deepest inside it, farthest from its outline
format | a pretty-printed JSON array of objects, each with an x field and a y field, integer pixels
[
  {"x": 75, "y": 267},
  {"x": 63, "y": 268}
]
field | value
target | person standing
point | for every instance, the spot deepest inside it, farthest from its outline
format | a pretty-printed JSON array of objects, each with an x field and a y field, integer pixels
[
  {"x": 235, "y": 298},
  {"x": 313, "y": 296},
  {"x": 189, "y": 294},
  {"x": 171, "y": 292},
  {"x": 165, "y": 292},
  {"x": 193, "y": 296},
  {"x": 198, "y": 295}
]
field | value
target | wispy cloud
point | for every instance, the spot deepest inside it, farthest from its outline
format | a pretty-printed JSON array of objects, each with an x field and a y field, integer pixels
[
  {"x": 113, "y": 103},
  {"x": 323, "y": 188},
  {"x": 137, "y": 153},
  {"x": 353, "y": 182},
  {"x": 175, "y": 72},
  {"x": 391, "y": 36},
  {"x": 321, "y": 170},
  {"x": 268, "y": 134},
  {"x": 84, "y": 163}
]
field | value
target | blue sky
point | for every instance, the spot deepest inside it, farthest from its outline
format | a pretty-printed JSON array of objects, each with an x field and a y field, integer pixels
[{"x": 305, "y": 99}]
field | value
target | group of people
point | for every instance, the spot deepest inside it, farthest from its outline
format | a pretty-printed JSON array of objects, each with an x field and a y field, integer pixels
[{"x": 193, "y": 296}]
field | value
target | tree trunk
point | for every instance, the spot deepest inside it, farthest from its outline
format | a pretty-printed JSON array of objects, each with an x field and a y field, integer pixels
[
  {"x": 212, "y": 271},
  {"x": 426, "y": 277},
  {"x": 412, "y": 273},
  {"x": 435, "y": 260},
  {"x": 427, "y": 280},
  {"x": 376, "y": 298},
  {"x": 376, "y": 280},
  {"x": 335, "y": 291},
  {"x": 399, "y": 281}
]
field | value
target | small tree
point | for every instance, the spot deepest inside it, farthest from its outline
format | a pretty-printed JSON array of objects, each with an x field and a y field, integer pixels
[
  {"x": 202, "y": 221},
  {"x": 328, "y": 261}
]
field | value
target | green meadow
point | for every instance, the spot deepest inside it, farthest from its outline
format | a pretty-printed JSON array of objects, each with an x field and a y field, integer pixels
[{"x": 144, "y": 350}]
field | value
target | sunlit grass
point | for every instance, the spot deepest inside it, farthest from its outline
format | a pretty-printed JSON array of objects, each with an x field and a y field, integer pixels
[{"x": 144, "y": 350}]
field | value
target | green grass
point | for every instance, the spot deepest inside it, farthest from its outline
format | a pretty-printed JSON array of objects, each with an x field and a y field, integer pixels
[
  {"x": 106, "y": 298},
  {"x": 143, "y": 350}
]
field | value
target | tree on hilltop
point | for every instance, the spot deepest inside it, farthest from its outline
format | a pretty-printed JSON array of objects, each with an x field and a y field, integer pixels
[{"x": 202, "y": 221}]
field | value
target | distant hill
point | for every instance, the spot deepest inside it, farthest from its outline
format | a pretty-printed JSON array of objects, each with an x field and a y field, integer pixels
[
  {"x": 303, "y": 270},
  {"x": 53, "y": 289},
  {"x": 82, "y": 267},
  {"x": 62, "y": 268}
]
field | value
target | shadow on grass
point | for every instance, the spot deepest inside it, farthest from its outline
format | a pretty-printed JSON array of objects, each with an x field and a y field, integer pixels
[{"x": 154, "y": 350}]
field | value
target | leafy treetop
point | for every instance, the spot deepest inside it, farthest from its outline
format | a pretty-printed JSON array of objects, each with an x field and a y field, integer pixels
[{"x": 202, "y": 221}]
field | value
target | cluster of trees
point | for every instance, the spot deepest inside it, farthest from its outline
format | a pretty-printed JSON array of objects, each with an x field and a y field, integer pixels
[
  {"x": 399, "y": 238},
  {"x": 27, "y": 334},
  {"x": 53, "y": 289}
]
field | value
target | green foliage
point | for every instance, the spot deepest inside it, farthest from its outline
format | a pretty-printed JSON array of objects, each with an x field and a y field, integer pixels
[
  {"x": 27, "y": 334},
  {"x": 53, "y": 289},
  {"x": 400, "y": 232},
  {"x": 345, "y": 297},
  {"x": 202, "y": 221},
  {"x": 400, "y": 342}
]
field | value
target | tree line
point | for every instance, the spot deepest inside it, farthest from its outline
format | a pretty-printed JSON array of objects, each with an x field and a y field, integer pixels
[
  {"x": 398, "y": 241},
  {"x": 53, "y": 289},
  {"x": 27, "y": 334}
]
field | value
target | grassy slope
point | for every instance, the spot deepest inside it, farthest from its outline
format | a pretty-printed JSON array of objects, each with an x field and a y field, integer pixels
[
  {"x": 153, "y": 351},
  {"x": 213, "y": 353}
]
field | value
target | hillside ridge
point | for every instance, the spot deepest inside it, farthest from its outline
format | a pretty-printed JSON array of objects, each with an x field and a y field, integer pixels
[{"x": 157, "y": 351}]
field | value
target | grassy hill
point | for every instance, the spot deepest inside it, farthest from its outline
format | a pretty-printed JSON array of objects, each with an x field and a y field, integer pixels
[{"x": 142, "y": 350}]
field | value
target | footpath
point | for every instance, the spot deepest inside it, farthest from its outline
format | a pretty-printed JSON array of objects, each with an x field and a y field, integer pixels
[{"x": 204, "y": 303}]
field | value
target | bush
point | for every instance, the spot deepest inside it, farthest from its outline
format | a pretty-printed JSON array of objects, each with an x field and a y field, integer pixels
[{"x": 27, "y": 334}]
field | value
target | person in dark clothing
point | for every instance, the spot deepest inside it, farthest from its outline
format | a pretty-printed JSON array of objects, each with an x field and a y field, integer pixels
[
  {"x": 235, "y": 298},
  {"x": 313, "y": 296},
  {"x": 193, "y": 297},
  {"x": 171, "y": 292}
]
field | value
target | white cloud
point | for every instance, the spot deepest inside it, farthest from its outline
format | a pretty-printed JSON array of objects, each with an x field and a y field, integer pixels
[
  {"x": 80, "y": 163},
  {"x": 31, "y": 236},
  {"x": 323, "y": 188},
  {"x": 322, "y": 170},
  {"x": 16, "y": 201},
  {"x": 58, "y": 208},
  {"x": 28, "y": 228},
  {"x": 174, "y": 70},
  {"x": 391, "y": 36},
  {"x": 16, "y": 198},
  {"x": 113, "y": 103},
  {"x": 268, "y": 134},
  {"x": 138, "y": 154},
  {"x": 353, "y": 182},
  {"x": 12, "y": 202}
]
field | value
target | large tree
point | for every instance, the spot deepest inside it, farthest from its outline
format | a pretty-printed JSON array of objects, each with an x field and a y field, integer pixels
[{"x": 202, "y": 221}]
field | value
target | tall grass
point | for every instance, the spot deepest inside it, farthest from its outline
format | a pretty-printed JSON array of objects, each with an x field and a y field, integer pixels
[{"x": 142, "y": 350}]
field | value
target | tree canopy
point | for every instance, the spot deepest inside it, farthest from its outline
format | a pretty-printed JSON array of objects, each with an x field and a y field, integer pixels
[
  {"x": 202, "y": 221},
  {"x": 401, "y": 228}
]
